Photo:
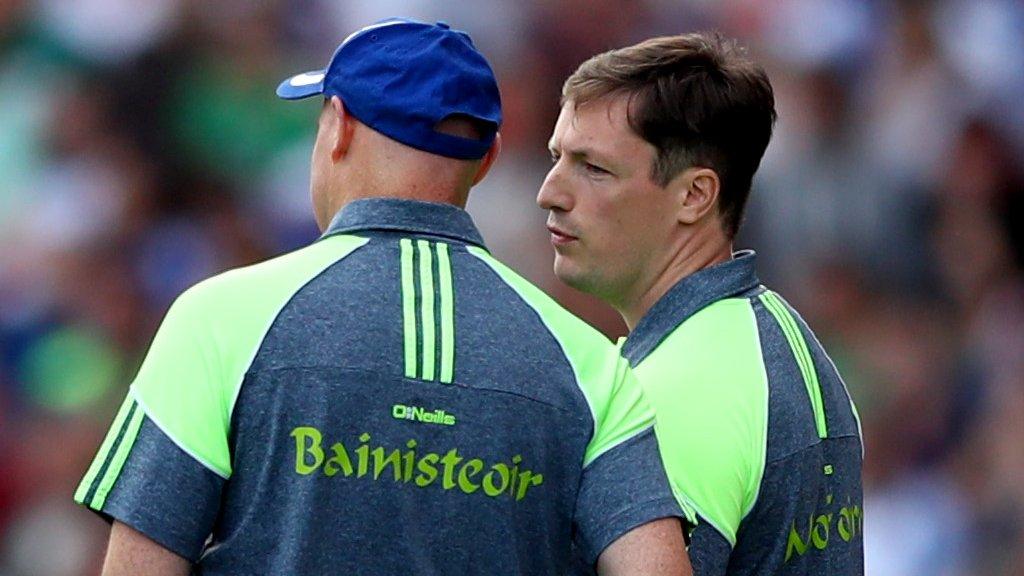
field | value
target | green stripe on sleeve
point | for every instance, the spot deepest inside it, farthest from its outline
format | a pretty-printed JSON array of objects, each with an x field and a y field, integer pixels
[
  {"x": 102, "y": 456},
  {"x": 124, "y": 448},
  {"x": 447, "y": 313},
  {"x": 408, "y": 307},
  {"x": 799, "y": 346},
  {"x": 427, "y": 308}
]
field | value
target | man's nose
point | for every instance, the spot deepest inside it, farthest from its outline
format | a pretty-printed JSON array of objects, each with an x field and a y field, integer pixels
[{"x": 554, "y": 194}]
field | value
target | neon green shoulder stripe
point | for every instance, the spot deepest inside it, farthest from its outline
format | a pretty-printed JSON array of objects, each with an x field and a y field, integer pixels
[
  {"x": 408, "y": 307},
  {"x": 427, "y": 307},
  {"x": 802, "y": 354},
  {"x": 432, "y": 325},
  {"x": 446, "y": 287},
  {"x": 616, "y": 401},
  {"x": 104, "y": 452},
  {"x": 120, "y": 456},
  {"x": 709, "y": 388},
  {"x": 193, "y": 372}
]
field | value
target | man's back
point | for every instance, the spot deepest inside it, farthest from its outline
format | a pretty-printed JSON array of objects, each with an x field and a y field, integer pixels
[
  {"x": 759, "y": 436},
  {"x": 388, "y": 399}
]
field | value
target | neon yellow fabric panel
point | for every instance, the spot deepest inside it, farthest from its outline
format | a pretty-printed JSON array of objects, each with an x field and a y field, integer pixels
[
  {"x": 192, "y": 374},
  {"x": 709, "y": 389}
]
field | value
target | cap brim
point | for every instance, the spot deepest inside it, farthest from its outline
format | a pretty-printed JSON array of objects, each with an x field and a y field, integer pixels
[{"x": 302, "y": 85}]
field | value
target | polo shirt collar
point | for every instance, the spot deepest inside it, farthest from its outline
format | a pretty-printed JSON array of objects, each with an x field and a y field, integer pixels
[
  {"x": 686, "y": 298},
  {"x": 409, "y": 216}
]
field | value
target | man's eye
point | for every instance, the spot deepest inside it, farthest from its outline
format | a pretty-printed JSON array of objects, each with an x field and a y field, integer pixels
[{"x": 594, "y": 169}]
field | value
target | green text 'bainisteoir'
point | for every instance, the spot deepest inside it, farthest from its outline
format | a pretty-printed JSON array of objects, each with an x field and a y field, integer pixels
[{"x": 451, "y": 469}]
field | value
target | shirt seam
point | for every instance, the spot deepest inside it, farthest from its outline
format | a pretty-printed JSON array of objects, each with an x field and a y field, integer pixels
[
  {"x": 353, "y": 231},
  {"x": 440, "y": 385},
  {"x": 634, "y": 435},
  {"x": 809, "y": 446},
  {"x": 163, "y": 429},
  {"x": 561, "y": 346},
  {"x": 767, "y": 412},
  {"x": 240, "y": 379}
]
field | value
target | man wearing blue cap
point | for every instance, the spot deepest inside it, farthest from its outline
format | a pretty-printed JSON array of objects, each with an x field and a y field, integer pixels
[{"x": 389, "y": 399}]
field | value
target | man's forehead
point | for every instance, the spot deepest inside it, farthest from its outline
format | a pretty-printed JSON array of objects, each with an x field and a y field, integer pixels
[{"x": 603, "y": 121}]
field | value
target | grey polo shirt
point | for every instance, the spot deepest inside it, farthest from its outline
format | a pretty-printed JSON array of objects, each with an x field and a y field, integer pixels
[
  {"x": 389, "y": 399},
  {"x": 760, "y": 438}
]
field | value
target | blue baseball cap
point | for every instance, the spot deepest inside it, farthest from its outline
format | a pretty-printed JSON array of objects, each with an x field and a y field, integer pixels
[{"x": 402, "y": 77}]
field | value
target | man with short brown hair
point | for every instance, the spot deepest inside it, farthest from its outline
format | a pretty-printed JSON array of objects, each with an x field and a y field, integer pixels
[{"x": 654, "y": 153}]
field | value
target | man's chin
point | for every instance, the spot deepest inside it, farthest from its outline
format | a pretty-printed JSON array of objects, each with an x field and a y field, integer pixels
[{"x": 571, "y": 274}]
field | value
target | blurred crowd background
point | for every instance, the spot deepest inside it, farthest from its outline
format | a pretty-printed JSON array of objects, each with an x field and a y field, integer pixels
[{"x": 142, "y": 149}]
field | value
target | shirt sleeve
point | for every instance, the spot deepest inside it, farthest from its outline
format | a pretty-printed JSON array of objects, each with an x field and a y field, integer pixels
[
  {"x": 624, "y": 484},
  {"x": 164, "y": 461}
]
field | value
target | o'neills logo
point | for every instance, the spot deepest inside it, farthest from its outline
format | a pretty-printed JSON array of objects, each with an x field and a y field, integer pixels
[
  {"x": 450, "y": 470},
  {"x": 847, "y": 522},
  {"x": 403, "y": 412}
]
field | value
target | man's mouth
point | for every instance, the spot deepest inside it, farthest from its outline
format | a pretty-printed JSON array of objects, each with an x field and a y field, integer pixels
[{"x": 560, "y": 237}]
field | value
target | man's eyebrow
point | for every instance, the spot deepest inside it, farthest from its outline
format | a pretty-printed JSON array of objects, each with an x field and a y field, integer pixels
[
  {"x": 577, "y": 153},
  {"x": 585, "y": 153}
]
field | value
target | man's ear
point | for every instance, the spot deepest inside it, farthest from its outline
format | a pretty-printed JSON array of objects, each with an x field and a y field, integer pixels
[
  {"x": 343, "y": 129},
  {"x": 697, "y": 191},
  {"x": 488, "y": 160}
]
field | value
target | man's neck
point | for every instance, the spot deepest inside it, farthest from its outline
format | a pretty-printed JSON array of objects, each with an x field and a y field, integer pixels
[
  {"x": 422, "y": 181},
  {"x": 696, "y": 253},
  {"x": 408, "y": 189}
]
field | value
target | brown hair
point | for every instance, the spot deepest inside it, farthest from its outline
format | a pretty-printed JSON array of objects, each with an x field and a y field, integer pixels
[{"x": 698, "y": 99}]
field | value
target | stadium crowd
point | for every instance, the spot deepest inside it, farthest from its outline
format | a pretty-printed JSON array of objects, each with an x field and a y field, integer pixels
[{"x": 142, "y": 149}]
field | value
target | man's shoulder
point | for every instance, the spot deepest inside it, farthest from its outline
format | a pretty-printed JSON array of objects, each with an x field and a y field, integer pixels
[
  {"x": 249, "y": 288},
  {"x": 713, "y": 339},
  {"x": 707, "y": 383},
  {"x": 297, "y": 263},
  {"x": 571, "y": 330},
  {"x": 597, "y": 368}
]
